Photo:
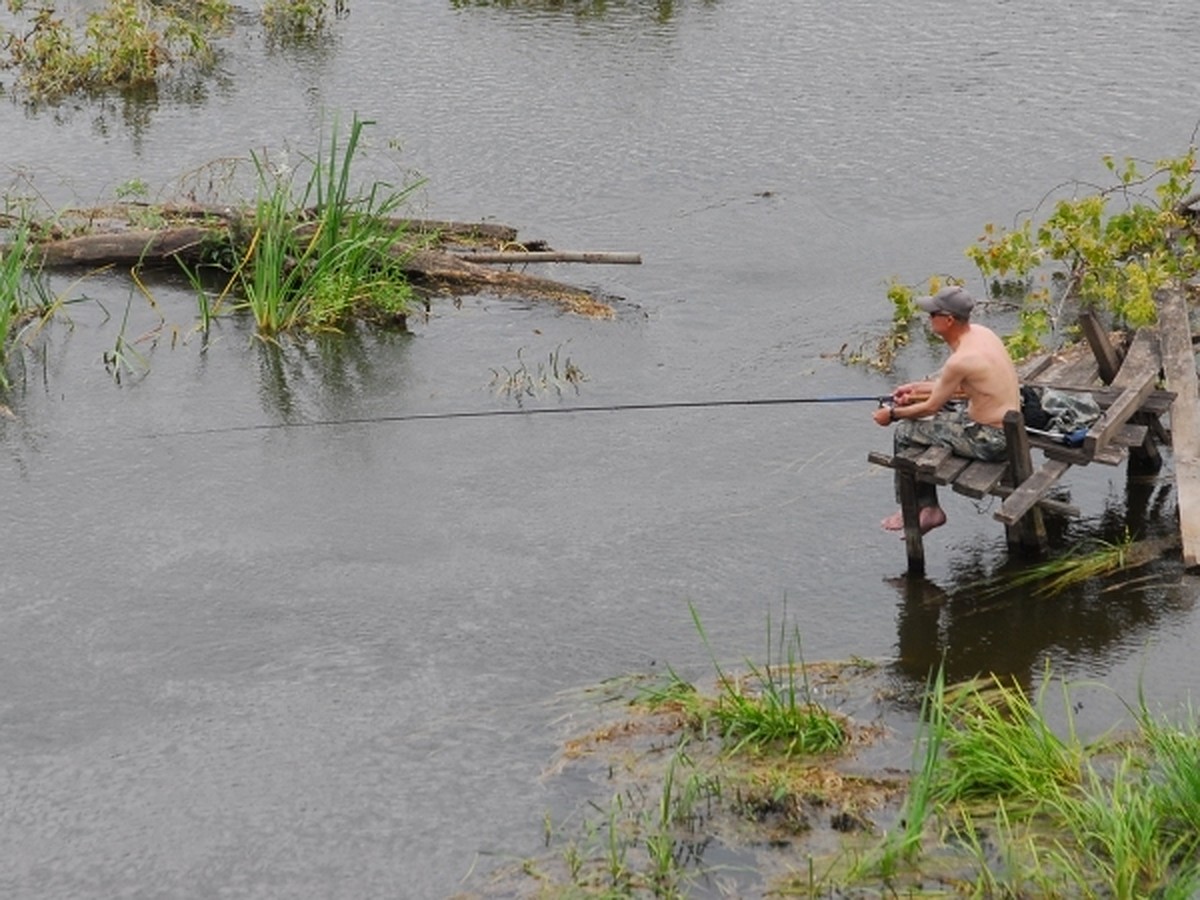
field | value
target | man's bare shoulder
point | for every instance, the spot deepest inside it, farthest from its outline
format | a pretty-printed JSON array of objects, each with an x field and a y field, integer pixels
[{"x": 982, "y": 341}]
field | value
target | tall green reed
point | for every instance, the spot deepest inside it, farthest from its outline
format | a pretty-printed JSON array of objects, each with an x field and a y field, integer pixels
[
  {"x": 904, "y": 842},
  {"x": 12, "y": 272},
  {"x": 320, "y": 258},
  {"x": 24, "y": 292},
  {"x": 999, "y": 744},
  {"x": 1107, "y": 818}
]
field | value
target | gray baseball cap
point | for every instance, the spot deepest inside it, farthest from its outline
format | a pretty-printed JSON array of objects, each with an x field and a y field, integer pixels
[{"x": 952, "y": 299}]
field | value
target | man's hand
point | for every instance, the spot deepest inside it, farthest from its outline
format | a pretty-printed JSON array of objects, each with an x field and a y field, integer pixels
[
  {"x": 883, "y": 416},
  {"x": 913, "y": 392}
]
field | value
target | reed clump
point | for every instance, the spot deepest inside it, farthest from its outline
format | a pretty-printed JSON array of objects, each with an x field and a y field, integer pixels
[
  {"x": 320, "y": 256},
  {"x": 24, "y": 293},
  {"x": 769, "y": 710},
  {"x": 121, "y": 44},
  {"x": 1000, "y": 805},
  {"x": 299, "y": 19}
]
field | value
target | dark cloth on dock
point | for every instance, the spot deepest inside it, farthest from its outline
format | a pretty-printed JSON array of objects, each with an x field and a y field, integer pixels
[{"x": 1047, "y": 409}]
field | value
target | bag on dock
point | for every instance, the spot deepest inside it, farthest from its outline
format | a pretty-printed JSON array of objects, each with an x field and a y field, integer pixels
[{"x": 1063, "y": 412}]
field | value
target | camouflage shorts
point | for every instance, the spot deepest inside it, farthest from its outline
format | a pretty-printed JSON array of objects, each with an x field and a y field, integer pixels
[{"x": 953, "y": 428}]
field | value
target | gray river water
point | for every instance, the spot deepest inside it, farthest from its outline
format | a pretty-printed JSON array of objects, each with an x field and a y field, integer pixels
[{"x": 331, "y": 661}]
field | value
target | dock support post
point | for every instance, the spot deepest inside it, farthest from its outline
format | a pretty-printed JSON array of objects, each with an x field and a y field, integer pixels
[
  {"x": 1029, "y": 533},
  {"x": 914, "y": 545}
]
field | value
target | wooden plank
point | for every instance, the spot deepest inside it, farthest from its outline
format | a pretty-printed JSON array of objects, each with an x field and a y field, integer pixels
[
  {"x": 931, "y": 458},
  {"x": 1034, "y": 366},
  {"x": 1108, "y": 361},
  {"x": 1083, "y": 371},
  {"x": 1030, "y": 491},
  {"x": 1046, "y": 504},
  {"x": 1111, "y": 455},
  {"x": 905, "y": 458},
  {"x": 1048, "y": 366},
  {"x": 980, "y": 478},
  {"x": 949, "y": 470},
  {"x": 929, "y": 466},
  {"x": 1142, "y": 357},
  {"x": 1130, "y": 435},
  {"x": 1118, "y": 414},
  {"x": 1179, "y": 364},
  {"x": 880, "y": 459}
]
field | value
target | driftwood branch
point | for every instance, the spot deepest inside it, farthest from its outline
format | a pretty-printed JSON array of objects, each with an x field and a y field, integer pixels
[{"x": 549, "y": 256}]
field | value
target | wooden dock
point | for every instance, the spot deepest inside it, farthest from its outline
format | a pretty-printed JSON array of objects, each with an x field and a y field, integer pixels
[{"x": 1137, "y": 383}]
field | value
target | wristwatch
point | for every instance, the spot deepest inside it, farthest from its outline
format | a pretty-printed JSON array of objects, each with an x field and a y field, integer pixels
[{"x": 891, "y": 414}]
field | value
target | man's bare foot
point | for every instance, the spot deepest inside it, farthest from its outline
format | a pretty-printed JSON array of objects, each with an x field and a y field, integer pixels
[{"x": 930, "y": 517}]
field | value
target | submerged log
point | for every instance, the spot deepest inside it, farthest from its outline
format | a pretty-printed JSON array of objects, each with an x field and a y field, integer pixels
[{"x": 441, "y": 255}]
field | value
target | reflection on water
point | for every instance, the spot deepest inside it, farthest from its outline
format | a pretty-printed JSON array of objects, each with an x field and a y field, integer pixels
[
  {"x": 661, "y": 11},
  {"x": 976, "y": 624},
  {"x": 321, "y": 377}
]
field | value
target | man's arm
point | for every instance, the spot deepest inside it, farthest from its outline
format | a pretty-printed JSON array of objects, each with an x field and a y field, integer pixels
[{"x": 944, "y": 387}]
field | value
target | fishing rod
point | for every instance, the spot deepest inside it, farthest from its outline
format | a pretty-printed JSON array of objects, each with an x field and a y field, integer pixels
[{"x": 542, "y": 410}]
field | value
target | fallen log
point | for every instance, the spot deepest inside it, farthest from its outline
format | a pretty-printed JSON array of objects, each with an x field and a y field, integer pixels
[
  {"x": 129, "y": 248},
  {"x": 435, "y": 258}
]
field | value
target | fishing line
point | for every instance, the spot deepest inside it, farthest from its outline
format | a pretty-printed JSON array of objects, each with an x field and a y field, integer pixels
[{"x": 537, "y": 411}]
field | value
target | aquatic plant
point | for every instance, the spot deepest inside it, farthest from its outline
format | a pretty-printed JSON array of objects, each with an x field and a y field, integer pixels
[
  {"x": 299, "y": 18},
  {"x": 123, "y": 357},
  {"x": 997, "y": 744},
  {"x": 12, "y": 274},
  {"x": 768, "y": 710},
  {"x": 24, "y": 292},
  {"x": 1116, "y": 817},
  {"x": 318, "y": 259},
  {"x": 552, "y": 375},
  {"x": 904, "y": 843},
  {"x": 124, "y": 43},
  {"x": 1080, "y": 564}
]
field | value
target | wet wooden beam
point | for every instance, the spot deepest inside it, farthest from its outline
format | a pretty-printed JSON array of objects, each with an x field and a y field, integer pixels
[
  {"x": 914, "y": 544},
  {"x": 1144, "y": 355},
  {"x": 1179, "y": 365},
  {"x": 1120, "y": 412},
  {"x": 1108, "y": 361},
  {"x": 1026, "y": 495}
]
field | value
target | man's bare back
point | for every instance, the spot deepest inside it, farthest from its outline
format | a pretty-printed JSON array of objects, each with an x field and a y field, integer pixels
[{"x": 985, "y": 375}]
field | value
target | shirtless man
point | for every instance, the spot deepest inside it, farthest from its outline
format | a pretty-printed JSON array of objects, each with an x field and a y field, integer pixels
[{"x": 979, "y": 369}]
